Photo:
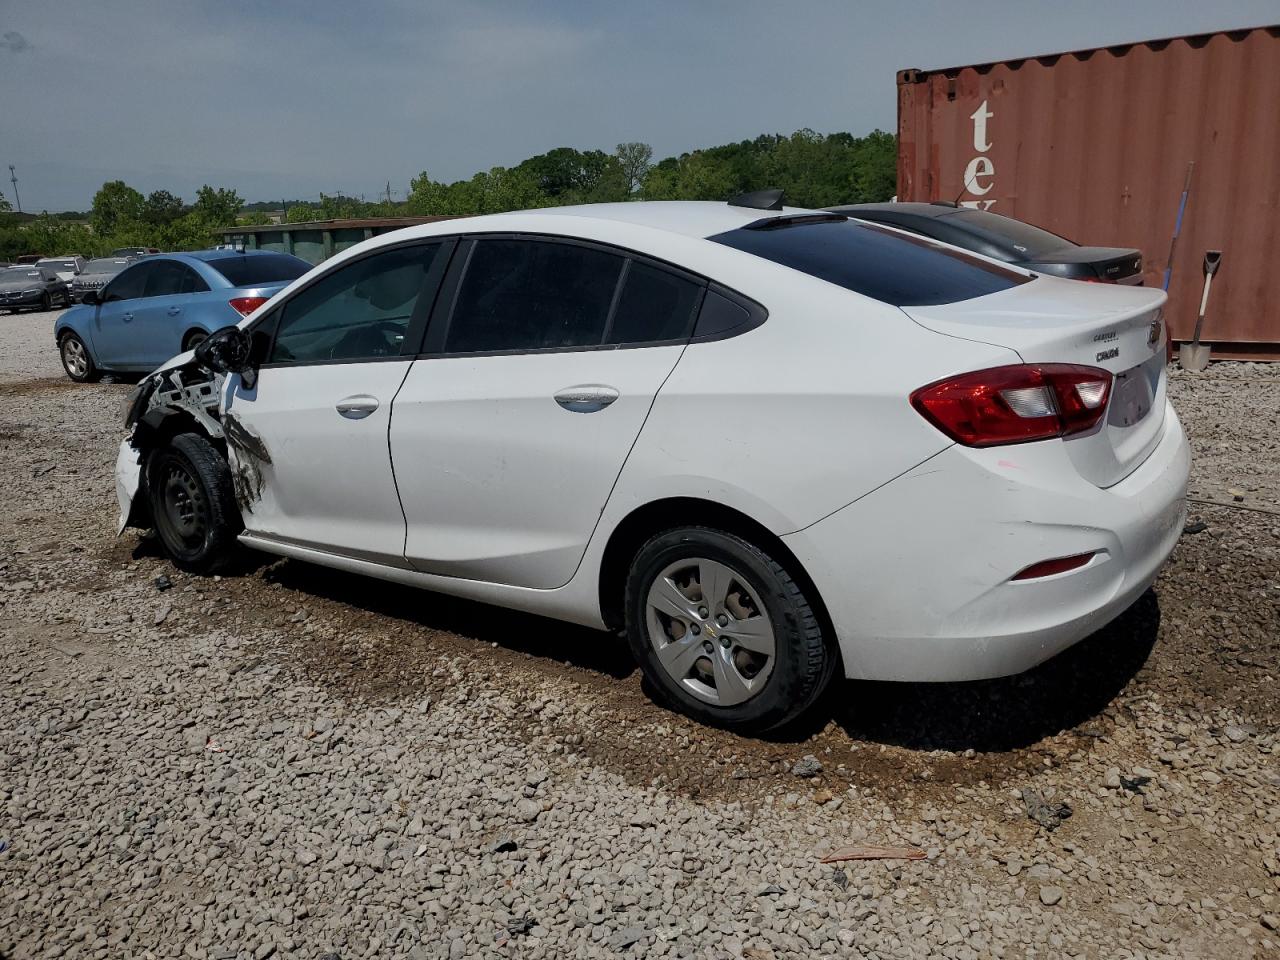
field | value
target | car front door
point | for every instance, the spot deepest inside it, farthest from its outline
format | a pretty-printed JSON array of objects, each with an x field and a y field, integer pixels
[
  {"x": 537, "y": 377},
  {"x": 116, "y": 342},
  {"x": 307, "y": 438}
]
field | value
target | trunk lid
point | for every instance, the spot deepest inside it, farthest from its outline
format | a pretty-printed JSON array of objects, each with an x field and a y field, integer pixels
[{"x": 1096, "y": 325}]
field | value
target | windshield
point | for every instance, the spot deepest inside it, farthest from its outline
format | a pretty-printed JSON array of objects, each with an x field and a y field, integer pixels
[
  {"x": 56, "y": 264},
  {"x": 892, "y": 267},
  {"x": 253, "y": 269},
  {"x": 1028, "y": 240},
  {"x": 105, "y": 266},
  {"x": 10, "y": 274}
]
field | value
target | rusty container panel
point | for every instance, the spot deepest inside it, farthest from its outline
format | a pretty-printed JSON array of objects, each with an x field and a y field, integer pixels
[{"x": 1095, "y": 146}]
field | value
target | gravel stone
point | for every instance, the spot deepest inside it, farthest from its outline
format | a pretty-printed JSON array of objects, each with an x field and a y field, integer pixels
[{"x": 410, "y": 776}]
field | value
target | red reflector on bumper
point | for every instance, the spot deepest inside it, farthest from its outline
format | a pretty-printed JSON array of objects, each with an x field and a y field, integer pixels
[{"x": 1047, "y": 568}]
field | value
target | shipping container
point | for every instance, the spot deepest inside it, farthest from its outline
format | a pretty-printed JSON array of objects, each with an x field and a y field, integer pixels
[{"x": 1096, "y": 145}]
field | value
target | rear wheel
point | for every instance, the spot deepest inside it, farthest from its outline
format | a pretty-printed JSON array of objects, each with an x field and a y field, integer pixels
[
  {"x": 192, "y": 503},
  {"x": 76, "y": 359},
  {"x": 193, "y": 340},
  {"x": 723, "y": 632}
]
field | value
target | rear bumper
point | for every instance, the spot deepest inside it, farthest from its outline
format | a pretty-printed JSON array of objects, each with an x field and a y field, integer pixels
[{"x": 917, "y": 575}]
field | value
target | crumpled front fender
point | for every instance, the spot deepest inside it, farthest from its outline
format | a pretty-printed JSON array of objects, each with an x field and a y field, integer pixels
[{"x": 128, "y": 481}]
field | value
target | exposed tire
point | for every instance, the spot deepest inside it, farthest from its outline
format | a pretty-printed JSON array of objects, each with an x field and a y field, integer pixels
[
  {"x": 193, "y": 339},
  {"x": 192, "y": 503},
  {"x": 77, "y": 361},
  {"x": 723, "y": 632},
  {"x": 46, "y": 301}
]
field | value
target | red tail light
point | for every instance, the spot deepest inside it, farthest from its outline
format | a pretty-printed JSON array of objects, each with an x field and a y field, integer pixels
[
  {"x": 246, "y": 305},
  {"x": 1016, "y": 404}
]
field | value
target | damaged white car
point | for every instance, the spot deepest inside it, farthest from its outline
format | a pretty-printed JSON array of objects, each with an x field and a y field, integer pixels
[{"x": 771, "y": 445}]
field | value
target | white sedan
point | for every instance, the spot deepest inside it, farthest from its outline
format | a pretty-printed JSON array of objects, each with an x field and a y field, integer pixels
[{"x": 770, "y": 445}]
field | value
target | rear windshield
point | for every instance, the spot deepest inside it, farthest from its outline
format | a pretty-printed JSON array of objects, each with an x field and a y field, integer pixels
[
  {"x": 1027, "y": 240},
  {"x": 891, "y": 267},
  {"x": 105, "y": 266},
  {"x": 249, "y": 271},
  {"x": 56, "y": 264}
]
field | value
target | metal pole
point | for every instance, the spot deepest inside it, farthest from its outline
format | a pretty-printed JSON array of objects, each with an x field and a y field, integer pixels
[
  {"x": 1177, "y": 224},
  {"x": 13, "y": 178}
]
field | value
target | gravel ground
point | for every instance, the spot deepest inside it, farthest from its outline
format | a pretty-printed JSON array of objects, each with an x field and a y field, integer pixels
[{"x": 285, "y": 761}]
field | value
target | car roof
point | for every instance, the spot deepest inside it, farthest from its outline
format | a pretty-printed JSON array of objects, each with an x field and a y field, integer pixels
[
  {"x": 208, "y": 256},
  {"x": 690, "y": 218}
]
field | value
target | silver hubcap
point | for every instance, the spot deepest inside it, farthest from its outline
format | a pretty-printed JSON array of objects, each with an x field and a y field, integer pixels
[
  {"x": 73, "y": 356},
  {"x": 710, "y": 631}
]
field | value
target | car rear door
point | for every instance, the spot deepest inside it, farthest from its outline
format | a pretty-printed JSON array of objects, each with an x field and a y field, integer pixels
[
  {"x": 539, "y": 370},
  {"x": 307, "y": 437},
  {"x": 160, "y": 318}
]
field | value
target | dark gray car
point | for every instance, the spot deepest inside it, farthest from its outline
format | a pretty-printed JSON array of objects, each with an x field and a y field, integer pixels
[
  {"x": 96, "y": 275},
  {"x": 1004, "y": 238},
  {"x": 29, "y": 288}
]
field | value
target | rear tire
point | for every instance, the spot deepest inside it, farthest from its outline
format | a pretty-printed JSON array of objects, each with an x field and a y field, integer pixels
[
  {"x": 46, "y": 301},
  {"x": 193, "y": 340},
  {"x": 77, "y": 361},
  {"x": 193, "y": 504},
  {"x": 748, "y": 652}
]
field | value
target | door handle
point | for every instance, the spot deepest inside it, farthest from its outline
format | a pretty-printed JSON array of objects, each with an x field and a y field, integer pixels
[
  {"x": 357, "y": 407},
  {"x": 126, "y": 317},
  {"x": 587, "y": 397},
  {"x": 174, "y": 311}
]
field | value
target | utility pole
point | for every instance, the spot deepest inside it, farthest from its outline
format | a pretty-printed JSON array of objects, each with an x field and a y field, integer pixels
[
  {"x": 388, "y": 194},
  {"x": 13, "y": 178}
]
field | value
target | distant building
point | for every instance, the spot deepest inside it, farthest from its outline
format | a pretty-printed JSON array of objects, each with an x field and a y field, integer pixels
[{"x": 316, "y": 240}]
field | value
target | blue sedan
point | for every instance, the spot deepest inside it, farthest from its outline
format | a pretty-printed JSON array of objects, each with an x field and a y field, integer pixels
[{"x": 166, "y": 304}]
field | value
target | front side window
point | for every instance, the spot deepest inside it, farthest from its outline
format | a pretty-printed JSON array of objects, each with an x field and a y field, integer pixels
[
  {"x": 532, "y": 295},
  {"x": 360, "y": 311},
  {"x": 129, "y": 284}
]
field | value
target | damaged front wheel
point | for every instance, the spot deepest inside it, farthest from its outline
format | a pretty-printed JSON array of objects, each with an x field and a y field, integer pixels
[{"x": 192, "y": 503}]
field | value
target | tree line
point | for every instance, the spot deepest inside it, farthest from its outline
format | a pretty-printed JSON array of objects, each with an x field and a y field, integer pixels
[{"x": 813, "y": 169}]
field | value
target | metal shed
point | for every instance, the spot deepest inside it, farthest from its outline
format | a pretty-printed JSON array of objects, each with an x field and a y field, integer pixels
[
  {"x": 317, "y": 240},
  {"x": 1095, "y": 145}
]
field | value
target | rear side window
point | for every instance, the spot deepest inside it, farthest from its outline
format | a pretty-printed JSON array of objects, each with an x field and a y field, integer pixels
[
  {"x": 168, "y": 277},
  {"x": 654, "y": 305},
  {"x": 896, "y": 269},
  {"x": 251, "y": 270},
  {"x": 532, "y": 295}
]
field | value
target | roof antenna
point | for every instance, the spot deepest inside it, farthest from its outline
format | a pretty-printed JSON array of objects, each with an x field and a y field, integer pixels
[
  {"x": 758, "y": 200},
  {"x": 963, "y": 187}
]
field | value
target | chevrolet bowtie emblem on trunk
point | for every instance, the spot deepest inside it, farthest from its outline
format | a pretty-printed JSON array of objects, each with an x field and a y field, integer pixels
[{"x": 1154, "y": 331}]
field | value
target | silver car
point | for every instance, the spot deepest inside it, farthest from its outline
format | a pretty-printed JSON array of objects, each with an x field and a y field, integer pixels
[{"x": 96, "y": 274}]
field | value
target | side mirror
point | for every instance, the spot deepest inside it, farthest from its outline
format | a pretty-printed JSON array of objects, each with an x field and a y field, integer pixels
[
  {"x": 225, "y": 351},
  {"x": 90, "y": 297}
]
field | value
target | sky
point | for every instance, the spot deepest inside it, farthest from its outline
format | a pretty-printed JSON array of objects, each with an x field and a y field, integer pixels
[{"x": 298, "y": 97}]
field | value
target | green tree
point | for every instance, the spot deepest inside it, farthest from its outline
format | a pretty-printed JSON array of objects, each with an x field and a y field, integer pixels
[
  {"x": 635, "y": 159},
  {"x": 217, "y": 207},
  {"x": 254, "y": 218},
  {"x": 115, "y": 204},
  {"x": 161, "y": 208}
]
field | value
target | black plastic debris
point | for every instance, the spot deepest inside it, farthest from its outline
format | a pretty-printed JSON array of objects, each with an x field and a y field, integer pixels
[
  {"x": 163, "y": 583},
  {"x": 1048, "y": 813}
]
